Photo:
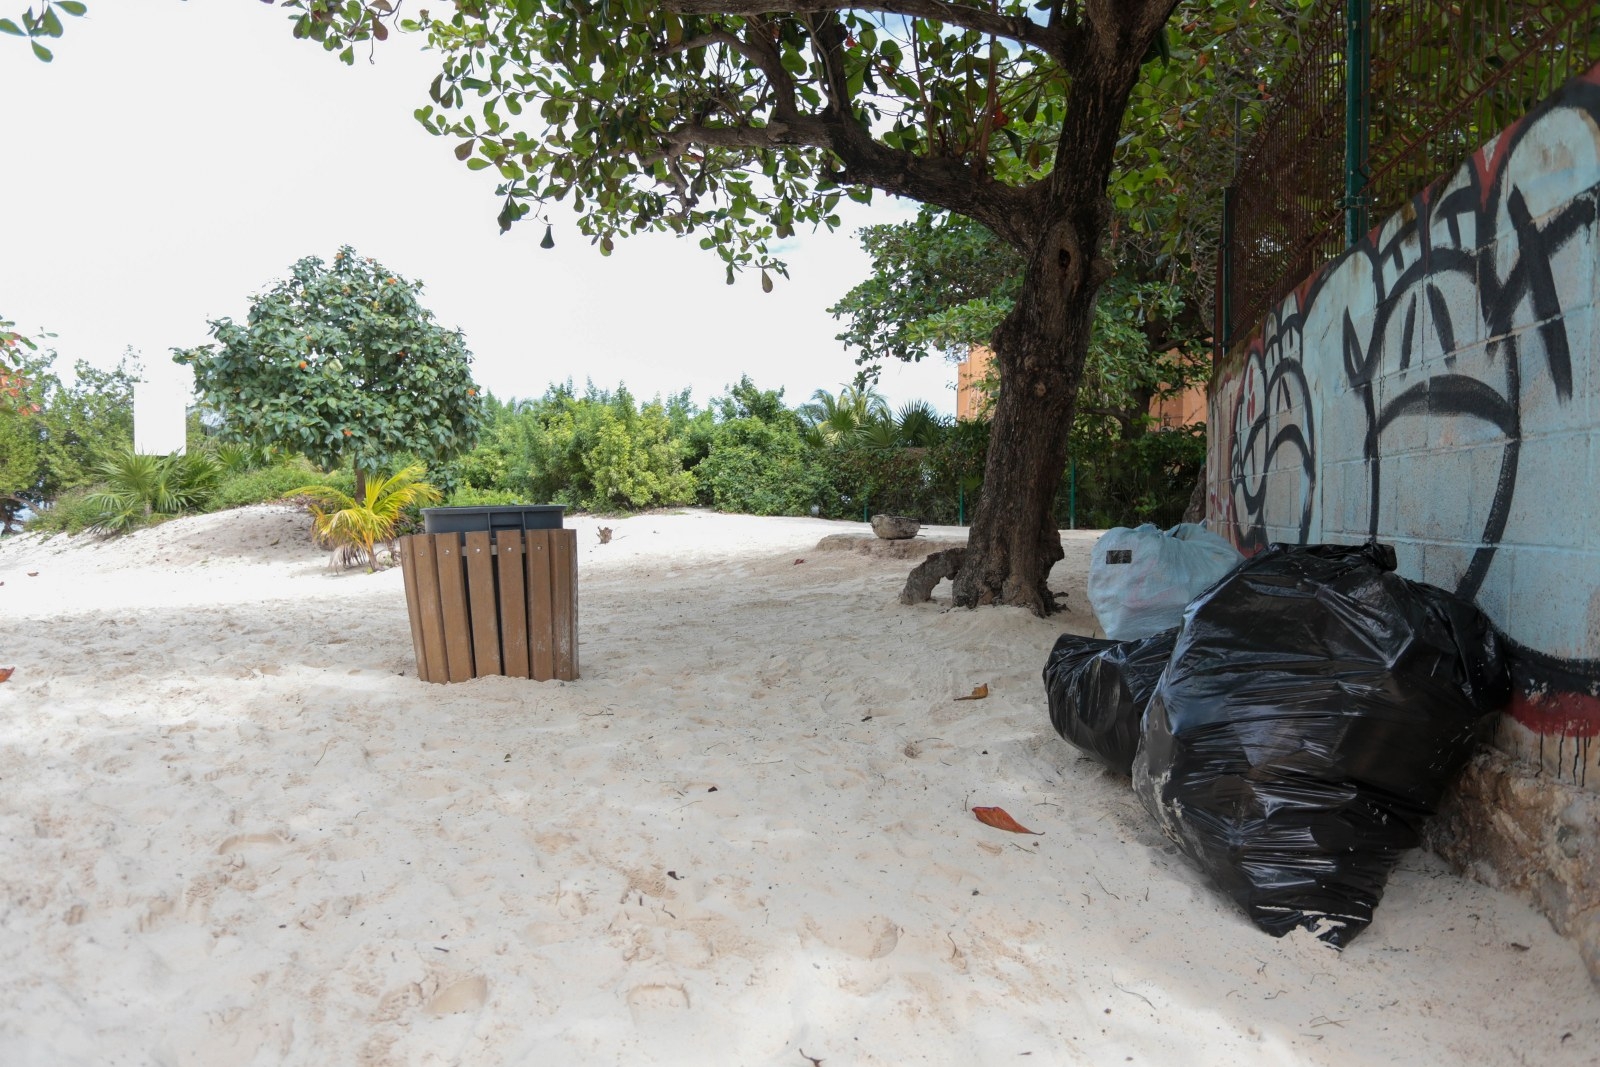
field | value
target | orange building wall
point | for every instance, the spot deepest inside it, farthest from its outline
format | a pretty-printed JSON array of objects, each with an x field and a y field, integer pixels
[
  {"x": 1184, "y": 409},
  {"x": 969, "y": 372}
]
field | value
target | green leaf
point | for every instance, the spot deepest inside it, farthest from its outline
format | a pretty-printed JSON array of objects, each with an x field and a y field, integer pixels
[
  {"x": 7, "y": 26},
  {"x": 478, "y": 163},
  {"x": 42, "y": 52},
  {"x": 73, "y": 7}
]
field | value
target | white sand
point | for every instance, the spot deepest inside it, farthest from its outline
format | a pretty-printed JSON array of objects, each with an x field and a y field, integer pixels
[{"x": 235, "y": 829}]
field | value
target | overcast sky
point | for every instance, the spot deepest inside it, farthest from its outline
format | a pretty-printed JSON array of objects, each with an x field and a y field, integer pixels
[{"x": 177, "y": 158}]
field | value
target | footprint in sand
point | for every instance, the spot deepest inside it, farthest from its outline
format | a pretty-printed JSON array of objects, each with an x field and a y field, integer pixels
[
  {"x": 239, "y": 842},
  {"x": 655, "y": 1000},
  {"x": 468, "y": 994},
  {"x": 871, "y": 939}
]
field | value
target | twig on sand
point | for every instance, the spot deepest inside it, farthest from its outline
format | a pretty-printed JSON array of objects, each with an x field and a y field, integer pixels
[
  {"x": 1132, "y": 993},
  {"x": 815, "y": 1061},
  {"x": 324, "y": 752}
]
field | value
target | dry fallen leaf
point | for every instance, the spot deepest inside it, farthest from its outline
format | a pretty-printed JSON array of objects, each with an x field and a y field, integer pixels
[
  {"x": 1000, "y": 820},
  {"x": 5, "y": 672},
  {"x": 977, "y": 694}
]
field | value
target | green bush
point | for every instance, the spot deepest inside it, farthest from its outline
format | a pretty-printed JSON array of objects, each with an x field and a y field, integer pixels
[
  {"x": 470, "y": 497},
  {"x": 268, "y": 484},
  {"x": 759, "y": 468},
  {"x": 599, "y": 451},
  {"x": 136, "y": 489},
  {"x": 69, "y": 513},
  {"x": 937, "y": 483},
  {"x": 1125, "y": 482}
]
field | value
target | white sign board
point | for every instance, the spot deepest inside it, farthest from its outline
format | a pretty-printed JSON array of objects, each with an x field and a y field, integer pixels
[{"x": 159, "y": 407}]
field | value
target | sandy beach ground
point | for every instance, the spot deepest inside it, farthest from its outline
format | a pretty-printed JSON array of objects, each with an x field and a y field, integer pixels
[{"x": 235, "y": 829}]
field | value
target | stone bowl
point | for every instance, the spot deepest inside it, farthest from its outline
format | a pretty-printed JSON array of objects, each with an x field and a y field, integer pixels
[{"x": 895, "y": 527}]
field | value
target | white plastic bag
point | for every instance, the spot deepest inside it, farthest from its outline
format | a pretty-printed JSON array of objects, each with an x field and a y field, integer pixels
[{"x": 1140, "y": 580}]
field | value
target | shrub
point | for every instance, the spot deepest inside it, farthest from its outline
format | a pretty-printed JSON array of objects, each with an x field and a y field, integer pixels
[
  {"x": 760, "y": 468},
  {"x": 137, "y": 488},
  {"x": 470, "y": 497},
  {"x": 266, "y": 485},
  {"x": 69, "y": 513},
  {"x": 1125, "y": 482}
]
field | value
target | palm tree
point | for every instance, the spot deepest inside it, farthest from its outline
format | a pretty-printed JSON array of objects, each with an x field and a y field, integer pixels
[
  {"x": 834, "y": 420},
  {"x": 918, "y": 425},
  {"x": 352, "y": 526}
]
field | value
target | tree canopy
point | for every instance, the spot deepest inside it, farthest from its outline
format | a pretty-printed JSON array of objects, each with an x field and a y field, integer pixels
[{"x": 340, "y": 362}]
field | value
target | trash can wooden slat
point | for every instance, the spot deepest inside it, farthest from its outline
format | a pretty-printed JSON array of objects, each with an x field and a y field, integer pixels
[{"x": 500, "y": 603}]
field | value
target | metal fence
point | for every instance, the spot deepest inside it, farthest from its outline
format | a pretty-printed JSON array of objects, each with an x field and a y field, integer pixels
[{"x": 1387, "y": 97}]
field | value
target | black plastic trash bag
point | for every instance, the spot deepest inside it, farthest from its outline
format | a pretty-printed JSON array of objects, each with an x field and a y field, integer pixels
[
  {"x": 1315, "y": 707},
  {"x": 1098, "y": 691}
]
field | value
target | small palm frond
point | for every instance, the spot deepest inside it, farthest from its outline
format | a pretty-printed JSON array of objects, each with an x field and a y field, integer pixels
[
  {"x": 918, "y": 425},
  {"x": 354, "y": 527}
]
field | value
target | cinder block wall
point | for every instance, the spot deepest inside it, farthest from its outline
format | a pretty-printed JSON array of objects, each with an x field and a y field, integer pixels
[{"x": 1436, "y": 387}]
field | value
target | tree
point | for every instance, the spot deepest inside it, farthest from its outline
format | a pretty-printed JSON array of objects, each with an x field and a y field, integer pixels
[
  {"x": 337, "y": 363},
  {"x": 939, "y": 281},
  {"x": 835, "y": 420},
  {"x": 355, "y": 524}
]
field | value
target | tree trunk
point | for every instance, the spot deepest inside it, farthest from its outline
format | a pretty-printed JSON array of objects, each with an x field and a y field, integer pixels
[
  {"x": 1042, "y": 344},
  {"x": 1041, "y": 348},
  {"x": 360, "y": 493}
]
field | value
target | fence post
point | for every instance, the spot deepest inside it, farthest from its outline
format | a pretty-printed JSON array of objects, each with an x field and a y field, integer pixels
[
  {"x": 1072, "y": 495},
  {"x": 1357, "y": 116},
  {"x": 1223, "y": 331}
]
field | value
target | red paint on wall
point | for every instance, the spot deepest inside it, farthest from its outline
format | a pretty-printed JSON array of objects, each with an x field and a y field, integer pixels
[{"x": 1558, "y": 714}]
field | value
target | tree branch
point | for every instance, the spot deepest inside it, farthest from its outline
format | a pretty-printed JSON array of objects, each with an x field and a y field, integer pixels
[{"x": 1056, "y": 41}]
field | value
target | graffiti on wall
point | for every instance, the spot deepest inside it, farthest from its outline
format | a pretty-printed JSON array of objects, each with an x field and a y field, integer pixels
[{"x": 1432, "y": 386}]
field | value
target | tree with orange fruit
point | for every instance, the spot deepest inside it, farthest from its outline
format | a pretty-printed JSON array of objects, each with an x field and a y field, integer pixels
[{"x": 341, "y": 362}]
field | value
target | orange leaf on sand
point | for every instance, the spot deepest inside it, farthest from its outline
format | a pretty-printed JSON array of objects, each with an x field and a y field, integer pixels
[
  {"x": 1000, "y": 820},
  {"x": 5, "y": 672},
  {"x": 977, "y": 694}
]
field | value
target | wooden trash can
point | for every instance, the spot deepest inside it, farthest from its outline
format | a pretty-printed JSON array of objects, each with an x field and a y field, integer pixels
[{"x": 486, "y": 603}]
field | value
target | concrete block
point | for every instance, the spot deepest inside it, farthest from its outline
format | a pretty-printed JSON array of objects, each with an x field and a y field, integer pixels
[
  {"x": 1337, "y": 485},
  {"x": 1549, "y": 505},
  {"x": 1398, "y": 246},
  {"x": 1569, "y": 260},
  {"x": 1553, "y": 596},
  {"x": 1457, "y": 417},
  {"x": 1392, "y": 472},
  {"x": 1342, "y": 428},
  {"x": 1401, "y": 325},
  {"x": 1286, "y": 498},
  {"x": 1453, "y": 231},
  {"x": 1454, "y": 306},
  {"x": 1398, "y": 398},
  {"x": 1554, "y": 161},
  {"x": 1407, "y": 558},
  {"x": 1545, "y": 410},
  {"x": 1515, "y": 310},
  {"x": 1588, "y": 497},
  {"x": 1444, "y": 501}
]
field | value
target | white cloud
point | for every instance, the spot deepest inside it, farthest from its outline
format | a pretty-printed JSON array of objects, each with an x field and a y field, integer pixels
[{"x": 177, "y": 158}]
